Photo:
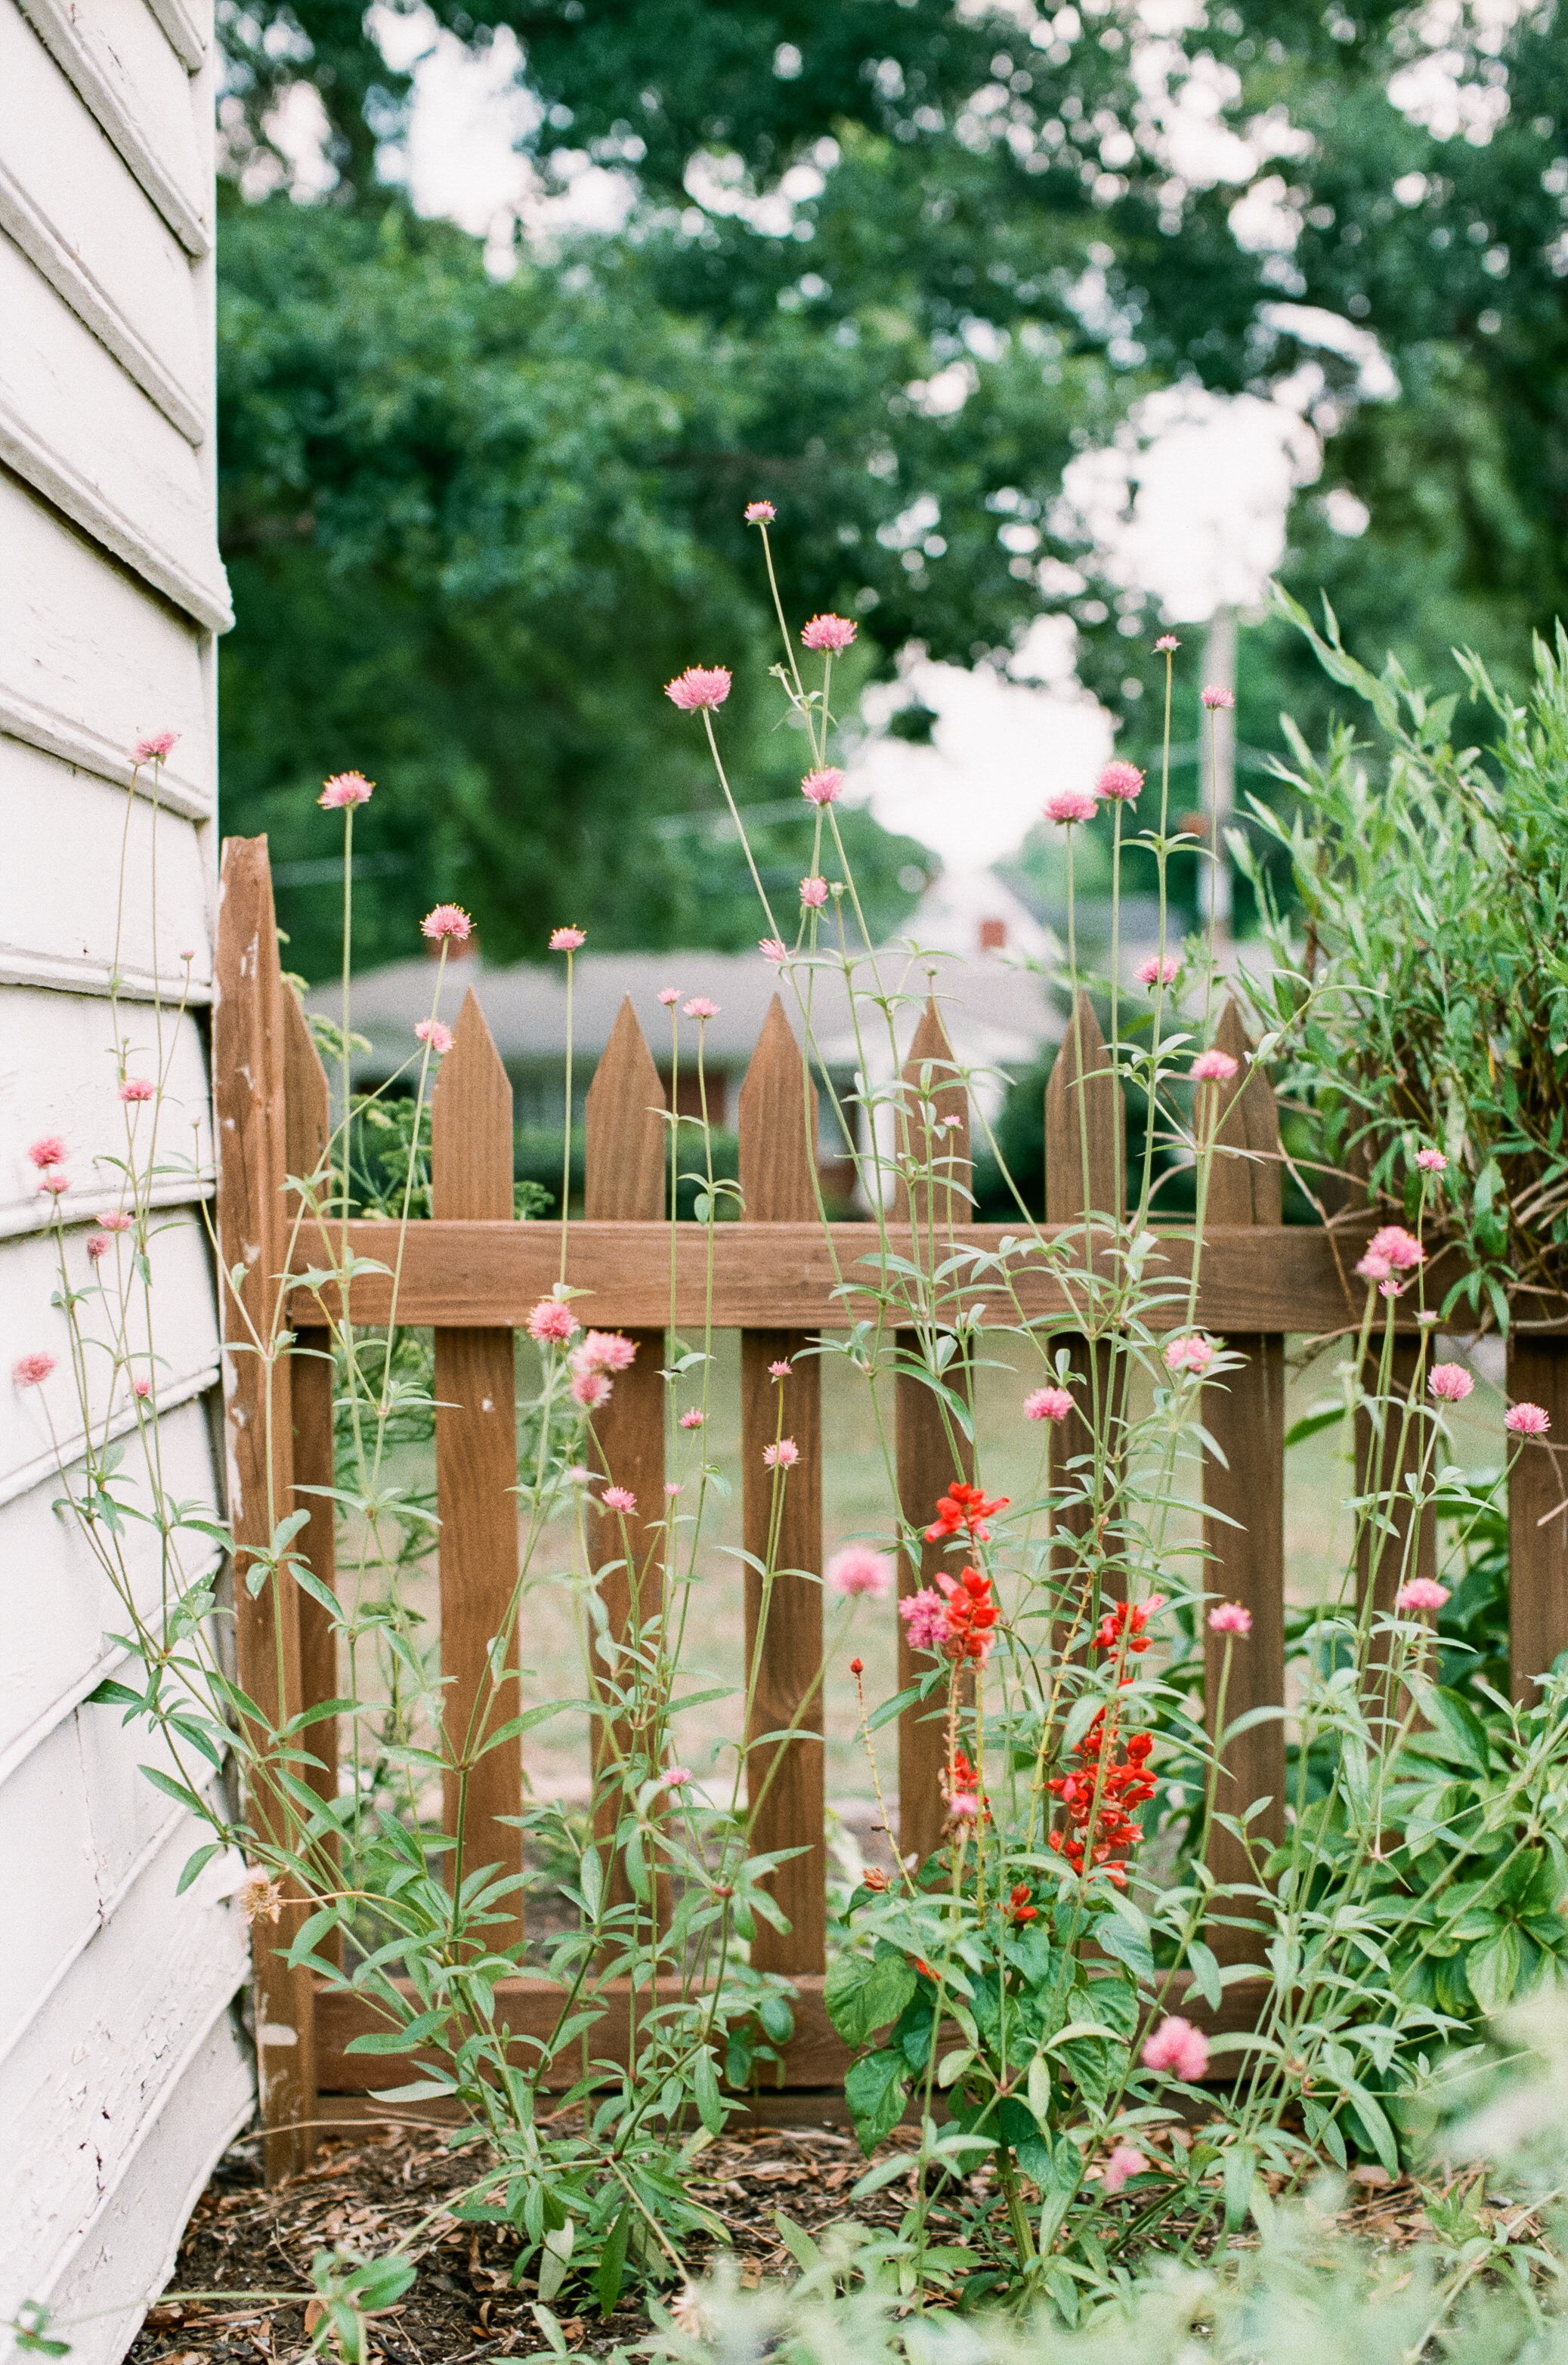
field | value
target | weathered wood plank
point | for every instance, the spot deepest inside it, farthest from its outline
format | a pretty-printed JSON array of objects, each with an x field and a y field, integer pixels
[
  {"x": 783, "y": 1276},
  {"x": 1537, "y": 1524},
  {"x": 1243, "y": 1496},
  {"x": 1085, "y": 1155},
  {"x": 625, "y": 1148},
  {"x": 476, "y": 1448},
  {"x": 934, "y": 1134},
  {"x": 249, "y": 1039},
  {"x": 778, "y": 1125}
]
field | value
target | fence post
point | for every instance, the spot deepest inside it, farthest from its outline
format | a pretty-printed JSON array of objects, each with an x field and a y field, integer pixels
[
  {"x": 475, "y": 1471},
  {"x": 1244, "y": 1493},
  {"x": 1381, "y": 1472},
  {"x": 308, "y": 1130},
  {"x": 1085, "y": 1175},
  {"x": 625, "y": 1149},
  {"x": 1538, "y": 1542},
  {"x": 932, "y": 1450},
  {"x": 247, "y": 1055},
  {"x": 786, "y": 1784}
]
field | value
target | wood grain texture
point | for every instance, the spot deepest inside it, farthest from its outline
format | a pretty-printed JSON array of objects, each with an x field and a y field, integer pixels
[
  {"x": 1388, "y": 1554},
  {"x": 816, "y": 2057},
  {"x": 1538, "y": 1526},
  {"x": 1244, "y": 1493},
  {"x": 784, "y": 1276},
  {"x": 625, "y": 1150},
  {"x": 248, "y": 1050},
  {"x": 1085, "y": 1158},
  {"x": 785, "y": 1783},
  {"x": 475, "y": 1459},
  {"x": 934, "y": 1132}
]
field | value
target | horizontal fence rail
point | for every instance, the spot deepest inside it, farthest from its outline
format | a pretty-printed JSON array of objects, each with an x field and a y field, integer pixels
[{"x": 779, "y": 1277}]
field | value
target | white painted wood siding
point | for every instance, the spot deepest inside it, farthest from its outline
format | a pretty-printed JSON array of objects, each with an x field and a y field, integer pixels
[{"x": 124, "y": 2068}]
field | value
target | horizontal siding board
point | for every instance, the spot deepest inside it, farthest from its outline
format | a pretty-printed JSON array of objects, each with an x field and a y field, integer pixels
[
  {"x": 59, "y": 886},
  {"x": 78, "y": 2088},
  {"x": 57, "y": 1075},
  {"x": 57, "y": 1605},
  {"x": 117, "y": 59},
  {"x": 128, "y": 2251},
  {"x": 84, "y": 433},
  {"x": 89, "y": 664},
  {"x": 33, "y": 1420},
  {"x": 66, "y": 191}
]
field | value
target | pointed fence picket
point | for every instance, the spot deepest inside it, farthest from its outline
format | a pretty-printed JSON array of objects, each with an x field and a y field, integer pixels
[{"x": 472, "y": 1274}]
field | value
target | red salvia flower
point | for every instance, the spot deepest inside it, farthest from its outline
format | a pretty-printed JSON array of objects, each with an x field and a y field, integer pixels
[
  {"x": 1020, "y": 1907},
  {"x": 966, "y": 1507},
  {"x": 1123, "y": 1623},
  {"x": 970, "y": 1613},
  {"x": 1099, "y": 1795}
]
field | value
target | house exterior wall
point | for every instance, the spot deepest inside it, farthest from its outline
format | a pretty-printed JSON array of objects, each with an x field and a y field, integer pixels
[{"x": 123, "y": 2069}]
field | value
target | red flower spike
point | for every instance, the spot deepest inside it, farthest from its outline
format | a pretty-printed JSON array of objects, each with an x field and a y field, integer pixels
[
  {"x": 1102, "y": 1830},
  {"x": 1020, "y": 1907},
  {"x": 964, "y": 1507},
  {"x": 970, "y": 1614},
  {"x": 1123, "y": 1624}
]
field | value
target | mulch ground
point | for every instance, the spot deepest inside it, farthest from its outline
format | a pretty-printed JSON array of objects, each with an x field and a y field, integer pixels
[{"x": 369, "y": 2192}]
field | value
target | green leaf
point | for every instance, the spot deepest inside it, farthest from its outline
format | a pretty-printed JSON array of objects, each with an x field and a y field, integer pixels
[
  {"x": 1204, "y": 1967},
  {"x": 1493, "y": 1969},
  {"x": 705, "y": 2084},
  {"x": 112, "y": 1695},
  {"x": 612, "y": 2265},
  {"x": 863, "y": 1993},
  {"x": 874, "y": 2089},
  {"x": 194, "y": 1865}
]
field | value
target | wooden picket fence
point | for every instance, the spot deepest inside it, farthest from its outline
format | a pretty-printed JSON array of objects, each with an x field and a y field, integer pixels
[{"x": 472, "y": 1274}]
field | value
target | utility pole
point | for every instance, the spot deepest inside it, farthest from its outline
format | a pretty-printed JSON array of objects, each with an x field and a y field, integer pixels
[{"x": 1218, "y": 730}]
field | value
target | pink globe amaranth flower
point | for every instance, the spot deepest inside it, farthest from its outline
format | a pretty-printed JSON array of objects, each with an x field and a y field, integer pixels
[
  {"x": 699, "y": 1006},
  {"x": 115, "y": 1220},
  {"x": 814, "y": 894},
  {"x": 142, "y": 1388},
  {"x": 678, "y": 1777},
  {"x": 1048, "y": 1404},
  {"x": 669, "y": 995},
  {"x": 1230, "y": 1617},
  {"x": 1068, "y": 805},
  {"x": 1449, "y": 1382},
  {"x": 672, "y": 1489},
  {"x": 1527, "y": 1420},
  {"x": 447, "y": 922},
  {"x": 698, "y": 687},
  {"x": 1124, "y": 2162},
  {"x": 858, "y": 1569},
  {"x": 760, "y": 513},
  {"x": 1189, "y": 1355},
  {"x": 1432, "y": 1162},
  {"x": 578, "y": 1473},
  {"x": 1155, "y": 971},
  {"x": 619, "y": 1498},
  {"x": 692, "y": 1420},
  {"x": 31, "y": 1369},
  {"x": 591, "y": 1390},
  {"x": 1167, "y": 642},
  {"x": 822, "y": 788},
  {"x": 925, "y": 1615},
  {"x": 782, "y": 1456},
  {"x": 773, "y": 949},
  {"x": 552, "y": 1322},
  {"x": 1421, "y": 1593},
  {"x": 780, "y": 1371},
  {"x": 136, "y": 1088},
  {"x": 566, "y": 940},
  {"x": 1373, "y": 1268},
  {"x": 345, "y": 789},
  {"x": 48, "y": 1150},
  {"x": 828, "y": 632},
  {"x": 432, "y": 1031},
  {"x": 1389, "y": 1289},
  {"x": 1216, "y": 696},
  {"x": 1119, "y": 784},
  {"x": 156, "y": 748},
  {"x": 1178, "y": 2046},
  {"x": 56, "y": 1182},
  {"x": 963, "y": 1804},
  {"x": 604, "y": 1350},
  {"x": 1212, "y": 1067},
  {"x": 97, "y": 1245},
  {"x": 1401, "y": 1248}
]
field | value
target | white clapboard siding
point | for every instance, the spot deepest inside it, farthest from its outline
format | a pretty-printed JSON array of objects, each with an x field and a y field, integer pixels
[
  {"x": 124, "y": 2023},
  {"x": 124, "y": 69},
  {"x": 60, "y": 885},
  {"x": 78, "y": 212},
  {"x": 79, "y": 429},
  {"x": 103, "y": 2291},
  {"x": 59, "y": 1077},
  {"x": 88, "y": 664},
  {"x": 58, "y": 1604}
]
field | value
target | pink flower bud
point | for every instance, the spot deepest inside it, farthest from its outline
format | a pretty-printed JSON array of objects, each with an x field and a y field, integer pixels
[
  {"x": 699, "y": 687},
  {"x": 814, "y": 894},
  {"x": 828, "y": 632},
  {"x": 1449, "y": 1382},
  {"x": 566, "y": 940},
  {"x": 345, "y": 789},
  {"x": 1048, "y": 1404},
  {"x": 1068, "y": 805},
  {"x": 447, "y": 922}
]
